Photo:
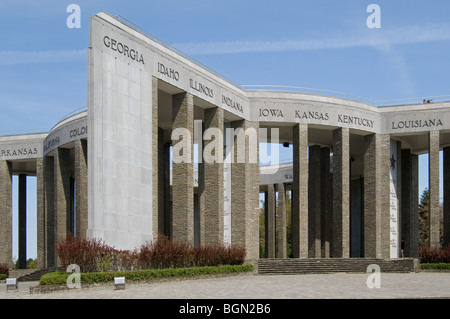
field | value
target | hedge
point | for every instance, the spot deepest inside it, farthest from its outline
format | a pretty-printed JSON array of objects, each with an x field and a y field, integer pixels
[
  {"x": 60, "y": 277},
  {"x": 439, "y": 266},
  {"x": 94, "y": 255}
]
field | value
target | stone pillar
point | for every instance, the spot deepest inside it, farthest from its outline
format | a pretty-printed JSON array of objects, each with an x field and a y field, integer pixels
[
  {"x": 22, "y": 204},
  {"x": 270, "y": 221},
  {"x": 410, "y": 203},
  {"x": 157, "y": 212},
  {"x": 6, "y": 212},
  {"x": 376, "y": 196},
  {"x": 62, "y": 193},
  {"x": 446, "y": 196},
  {"x": 167, "y": 196},
  {"x": 211, "y": 183},
  {"x": 314, "y": 203},
  {"x": 300, "y": 192},
  {"x": 341, "y": 193},
  {"x": 160, "y": 184},
  {"x": 282, "y": 222},
  {"x": 81, "y": 189},
  {"x": 40, "y": 213},
  {"x": 245, "y": 185},
  {"x": 326, "y": 191},
  {"x": 433, "y": 182},
  {"x": 49, "y": 212},
  {"x": 182, "y": 167},
  {"x": 399, "y": 197},
  {"x": 414, "y": 223}
]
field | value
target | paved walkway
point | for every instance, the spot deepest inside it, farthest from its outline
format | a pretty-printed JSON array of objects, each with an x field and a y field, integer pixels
[{"x": 342, "y": 286}]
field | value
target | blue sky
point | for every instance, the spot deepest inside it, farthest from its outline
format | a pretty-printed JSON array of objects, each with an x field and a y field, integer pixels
[{"x": 321, "y": 44}]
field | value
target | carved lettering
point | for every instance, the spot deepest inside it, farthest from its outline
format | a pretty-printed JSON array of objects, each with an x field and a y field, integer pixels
[{"x": 123, "y": 49}]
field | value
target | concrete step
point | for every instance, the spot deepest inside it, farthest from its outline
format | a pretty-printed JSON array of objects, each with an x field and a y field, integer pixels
[
  {"x": 334, "y": 265},
  {"x": 31, "y": 274}
]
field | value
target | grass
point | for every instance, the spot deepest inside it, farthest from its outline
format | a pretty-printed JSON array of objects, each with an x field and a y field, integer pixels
[
  {"x": 435, "y": 266},
  {"x": 60, "y": 277}
]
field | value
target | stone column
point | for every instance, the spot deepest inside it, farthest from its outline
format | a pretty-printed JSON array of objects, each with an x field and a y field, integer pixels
[
  {"x": 446, "y": 196},
  {"x": 300, "y": 192},
  {"x": 211, "y": 185},
  {"x": 49, "y": 212},
  {"x": 6, "y": 212},
  {"x": 414, "y": 223},
  {"x": 314, "y": 202},
  {"x": 270, "y": 221},
  {"x": 182, "y": 167},
  {"x": 376, "y": 196},
  {"x": 157, "y": 212},
  {"x": 22, "y": 204},
  {"x": 81, "y": 191},
  {"x": 341, "y": 193},
  {"x": 282, "y": 222},
  {"x": 245, "y": 185},
  {"x": 62, "y": 193},
  {"x": 167, "y": 196},
  {"x": 326, "y": 192},
  {"x": 40, "y": 213},
  {"x": 433, "y": 181},
  {"x": 409, "y": 203},
  {"x": 160, "y": 183}
]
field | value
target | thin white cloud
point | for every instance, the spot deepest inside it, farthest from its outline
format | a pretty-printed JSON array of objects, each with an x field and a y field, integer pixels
[
  {"x": 30, "y": 57},
  {"x": 371, "y": 38}
]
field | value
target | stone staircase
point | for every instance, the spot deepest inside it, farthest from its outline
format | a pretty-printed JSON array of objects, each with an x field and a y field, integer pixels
[
  {"x": 31, "y": 274},
  {"x": 268, "y": 266}
]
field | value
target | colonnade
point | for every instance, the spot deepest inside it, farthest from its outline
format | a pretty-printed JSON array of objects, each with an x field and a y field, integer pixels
[
  {"x": 61, "y": 186},
  {"x": 334, "y": 214},
  {"x": 342, "y": 214}
]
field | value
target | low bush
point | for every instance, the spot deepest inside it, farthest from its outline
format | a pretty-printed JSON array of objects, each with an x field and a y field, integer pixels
[
  {"x": 60, "y": 277},
  {"x": 4, "y": 271},
  {"x": 93, "y": 255},
  {"x": 439, "y": 266},
  {"x": 434, "y": 255}
]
